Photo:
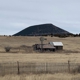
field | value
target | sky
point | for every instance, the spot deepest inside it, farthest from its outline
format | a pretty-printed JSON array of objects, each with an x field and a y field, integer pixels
[{"x": 16, "y": 15}]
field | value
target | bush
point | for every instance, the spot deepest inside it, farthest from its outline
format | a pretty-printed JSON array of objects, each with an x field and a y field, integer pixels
[{"x": 7, "y": 49}]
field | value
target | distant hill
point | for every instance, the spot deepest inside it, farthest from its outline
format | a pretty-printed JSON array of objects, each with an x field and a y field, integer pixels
[{"x": 42, "y": 29}]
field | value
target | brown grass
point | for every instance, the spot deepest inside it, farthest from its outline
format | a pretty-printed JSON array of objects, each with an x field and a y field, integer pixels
[
  {"x": 13, "y": 57},
  {"x": 71, "y": 52},
  {"x": 71, "y": 46},
  {"x": 59, "y": 76}
]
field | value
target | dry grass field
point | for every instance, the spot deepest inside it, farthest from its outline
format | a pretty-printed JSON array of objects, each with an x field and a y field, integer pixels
[
  {"x": 58, "y": 76},
  {"x": 70, "y": 52}
]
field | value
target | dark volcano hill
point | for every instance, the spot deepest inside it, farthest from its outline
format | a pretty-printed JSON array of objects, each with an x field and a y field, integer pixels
[{"x": 42, "y": 29}]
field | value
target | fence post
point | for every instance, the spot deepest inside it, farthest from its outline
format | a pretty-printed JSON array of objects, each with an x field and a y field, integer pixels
[
  {"x": 69, "y": 66},
  {"x": 18, "y": 68}
]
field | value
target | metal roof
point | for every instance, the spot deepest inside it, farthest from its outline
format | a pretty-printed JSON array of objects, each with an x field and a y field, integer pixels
[
  {"x": 48, "y": 46},
  {"x": 45, "y": 46},
  {"x": 56, "y": 43}
]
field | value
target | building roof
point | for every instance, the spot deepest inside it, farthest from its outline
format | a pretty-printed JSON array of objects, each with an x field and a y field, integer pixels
[
  {"x": 46, "y": 46},
  {"x": 56, "y": 43}
]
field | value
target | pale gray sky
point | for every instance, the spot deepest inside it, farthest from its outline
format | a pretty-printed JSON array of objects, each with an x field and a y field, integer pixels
[{"x": 16, "y": 15}]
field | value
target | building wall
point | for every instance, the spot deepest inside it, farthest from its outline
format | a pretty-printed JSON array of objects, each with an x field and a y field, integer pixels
[{"x": 59, "y": 47}]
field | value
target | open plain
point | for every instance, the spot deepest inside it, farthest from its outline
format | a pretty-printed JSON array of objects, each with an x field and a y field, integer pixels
[{"x": 71, "y": 52}]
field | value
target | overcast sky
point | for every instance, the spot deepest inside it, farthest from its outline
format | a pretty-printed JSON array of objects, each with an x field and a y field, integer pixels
[{"x": 16, "y": 15}]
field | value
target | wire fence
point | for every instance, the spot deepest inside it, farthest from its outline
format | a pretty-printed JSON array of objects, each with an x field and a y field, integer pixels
[{"x": 37, "y": 68}]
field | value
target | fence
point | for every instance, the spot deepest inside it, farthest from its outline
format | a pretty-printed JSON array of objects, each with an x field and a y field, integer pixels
[{"x": 25, "y": 67}]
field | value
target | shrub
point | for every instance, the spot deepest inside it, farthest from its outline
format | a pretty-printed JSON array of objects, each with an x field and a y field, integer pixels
[{"x": 7, "y": 49}]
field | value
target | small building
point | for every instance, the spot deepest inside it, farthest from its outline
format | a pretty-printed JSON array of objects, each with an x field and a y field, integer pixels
[
  {"x": 57, "y": 45},
  {"x": 48, "y": 47},
  {"x": 45, "y": 47}
]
